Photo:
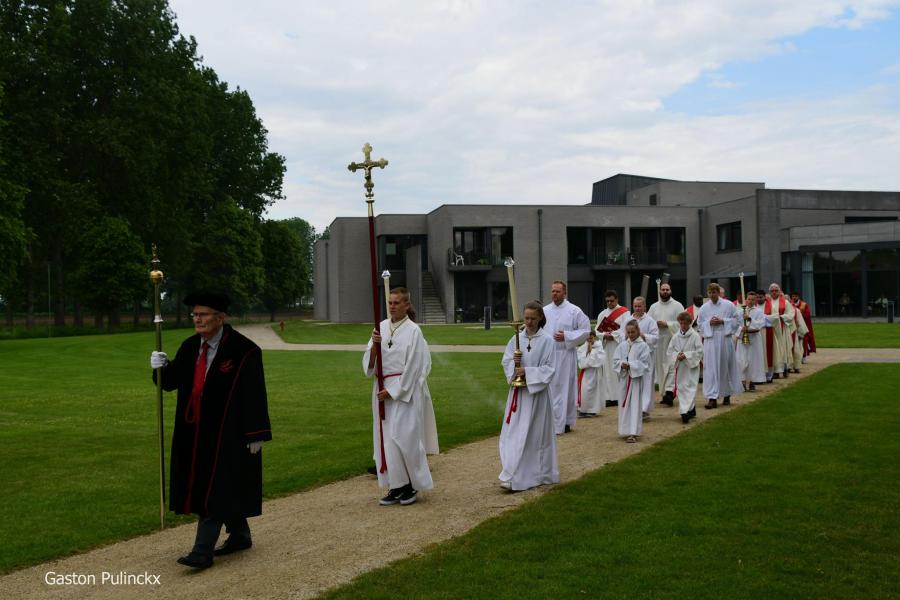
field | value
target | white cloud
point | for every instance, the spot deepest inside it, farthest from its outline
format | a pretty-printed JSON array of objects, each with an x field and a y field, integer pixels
[{"x": 527, "y": 102}]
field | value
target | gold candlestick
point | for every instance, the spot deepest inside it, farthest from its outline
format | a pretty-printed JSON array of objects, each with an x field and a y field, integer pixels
[{"x": 518, "y": 380}]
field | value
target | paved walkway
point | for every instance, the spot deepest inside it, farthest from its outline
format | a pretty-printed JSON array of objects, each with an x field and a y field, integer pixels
[{"x": 309, "y": 542}]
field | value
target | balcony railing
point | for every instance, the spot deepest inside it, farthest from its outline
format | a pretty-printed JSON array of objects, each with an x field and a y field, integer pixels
[
  {"x": 626, "y": 257},
  {"x": 472, "y": 259}
]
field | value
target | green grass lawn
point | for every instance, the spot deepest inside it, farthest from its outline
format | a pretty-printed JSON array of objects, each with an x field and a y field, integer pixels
[
  {"x": 323, "y": 332},
  {"x": 78, "y": 432},
  {"x": 857, "y": 335},
  {"x": 794, "y": 496}
]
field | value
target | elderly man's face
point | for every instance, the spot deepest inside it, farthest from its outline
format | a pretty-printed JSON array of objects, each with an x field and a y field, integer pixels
[
  {"x": 638, "y": 307},
  {"x": 207, "y": 321},
  {"x": 774, "y": 291}
]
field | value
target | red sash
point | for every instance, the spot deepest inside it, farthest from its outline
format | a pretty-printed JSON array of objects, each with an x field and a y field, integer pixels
[
  {"x": 580, "y": 377},
  {"x": 608, "y": 323},
  {"x": 770, "y": 335},
  {"x": 514, "y": 405}
]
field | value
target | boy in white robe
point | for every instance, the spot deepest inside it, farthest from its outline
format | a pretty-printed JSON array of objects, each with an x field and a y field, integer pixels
[
  {"x": 650, "y": 334},
  {"x": 631, "y": 362},
  {"x": 569, "y": 327},
  {"x": 750, "y": 356},
  {"x": 527, "y": 437},
  {"x": 404, "y": 428},
  {"x": 611, "y": 327},
  {"x": 718, "y": 321},
  {"x": 685, "y": 354},
  {"x": 591, "y": 359}
]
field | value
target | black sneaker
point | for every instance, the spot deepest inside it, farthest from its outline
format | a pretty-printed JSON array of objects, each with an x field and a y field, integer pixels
[
  {"x": 567, "y": 429},
  {"x": 726, "y": 401},
  {"x": 612, "y": 403},
  {"x": 393, "y": 497},
  {"x": 407, "y": 496},
  {"x": 373, "y": 470}
]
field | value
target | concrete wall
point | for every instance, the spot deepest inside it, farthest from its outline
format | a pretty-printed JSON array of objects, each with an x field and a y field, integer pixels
[
  {"x": 698, "y": 194},
  {"x": 768, "y": 223},
  {"x": 733, "y": 261},
  {"x": 414, "y": 280},
  {"x": 320, "y": 280},
  {"x": 851, "y": 233},
  {"x": 401, "y": 224}
]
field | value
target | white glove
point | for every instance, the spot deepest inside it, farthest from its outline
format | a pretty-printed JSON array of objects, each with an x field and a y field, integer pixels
[
  {"x": 255, "y": 447},
  {"x": 158, "y": 360}
]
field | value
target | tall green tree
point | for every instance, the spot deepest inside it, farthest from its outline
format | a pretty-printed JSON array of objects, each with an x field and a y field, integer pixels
[
  {"x": 285, "y": 269},
  {"x": 13, "y": 238},
  {"x": 307, "y": 235}
]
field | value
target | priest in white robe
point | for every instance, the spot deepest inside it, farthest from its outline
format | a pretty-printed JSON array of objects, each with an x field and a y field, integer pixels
[
  {"x": 591, "y": 359},
  {"x": 650, "y": 335},
  {"x": 665, "y": 312},
  {"x": 799, "y": 333},
  {"x": 568, "y": 326},
  {"x": 611, "y": 327},
  {"x": 407, "y": 430},
  {"x": 527, "y": 437},
  {"x": 718, "y": 321},
  {"x": 685, "y": 357},
  {"x": 779, "y": 350},
  {"x": 631, "y": 362},
  {"x": 750, "y": 356}
]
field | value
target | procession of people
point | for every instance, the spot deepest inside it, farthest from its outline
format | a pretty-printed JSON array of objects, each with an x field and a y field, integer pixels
[{"x": 559, "y": 366}]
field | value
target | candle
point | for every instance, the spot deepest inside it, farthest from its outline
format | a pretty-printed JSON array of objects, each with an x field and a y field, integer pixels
[
  {"x": 514, "y": 310},
  {"x": 386, "y": 275},
  {"x": 743, "y": 295}
]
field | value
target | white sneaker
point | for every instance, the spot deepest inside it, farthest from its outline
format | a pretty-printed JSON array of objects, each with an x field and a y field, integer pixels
[{"x": 506, "y": 485}]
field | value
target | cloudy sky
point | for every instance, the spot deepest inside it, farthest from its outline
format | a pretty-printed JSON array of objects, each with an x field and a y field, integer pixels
[{"x": 531, "y": 102}]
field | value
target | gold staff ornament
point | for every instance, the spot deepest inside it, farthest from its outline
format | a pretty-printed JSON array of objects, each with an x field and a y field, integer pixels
[{"x": 156, "y": 278}]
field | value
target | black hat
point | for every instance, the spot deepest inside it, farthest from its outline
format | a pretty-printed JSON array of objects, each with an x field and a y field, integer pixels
[{"x": 215, "y": 300}]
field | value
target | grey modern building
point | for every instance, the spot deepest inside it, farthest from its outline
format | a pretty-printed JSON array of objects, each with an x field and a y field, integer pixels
[{"x": 839, "y": 249}]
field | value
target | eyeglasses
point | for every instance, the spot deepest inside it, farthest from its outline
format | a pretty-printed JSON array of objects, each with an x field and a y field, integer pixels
[{"x": 203, "y": 315}]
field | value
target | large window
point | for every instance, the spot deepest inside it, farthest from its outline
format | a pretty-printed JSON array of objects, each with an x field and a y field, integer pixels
[
  {"x": 577, "y": 238},
  {"x": 392, "y": 250},
  {"x": 728, "y": 236},
  {"x": 483, "y": 245},
  {"x": 851, "y": 283}
]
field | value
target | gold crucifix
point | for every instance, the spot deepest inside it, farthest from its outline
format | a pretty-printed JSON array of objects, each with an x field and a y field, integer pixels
[{"x": 367, "y": 165}]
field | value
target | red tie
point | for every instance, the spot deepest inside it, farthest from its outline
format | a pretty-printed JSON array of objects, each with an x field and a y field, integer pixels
[{"x": 192, "y": 411}]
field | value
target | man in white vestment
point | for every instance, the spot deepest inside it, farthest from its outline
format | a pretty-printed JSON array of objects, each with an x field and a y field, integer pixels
[
  {"x": 527, "y": 437},
  {"x": 684, "y": 356},
  {"x": 665, "y": 312},
  {"x": 632, "y": 363},
  {"x": 718, "y": 321},
  {"x": 650, "y": 335},
  {"x": 611, "y": 326},
  {"x": 750, "y": 356},
  {"x": 780, "y": 313},
  {"x": 800, "y": 332},
  {"x": 591, "y": 359},
  {"x": 568, "y": 326},
  {"x": 404, "y": 428}
]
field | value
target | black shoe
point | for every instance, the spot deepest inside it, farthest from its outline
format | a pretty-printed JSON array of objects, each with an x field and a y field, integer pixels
[
  {"x": 582, "y": 415},
  {"x": 196, "y": 560},
  {"x": 693, "y": 412},
  {"x": 391, "y": 498},
  {"x": 233, "y": 544},
  {"x": 685, "y": 417},
  {"x": 785, "y": 373},
  {"x": 567, "y": 429},
  {"x": 611, "y": 403},
  {"x": 751, "y": 387},
  {"x": 726, "y": 401},
  {"x": 776, "y": 376},
  {"x": 407, "y": 496},
  {"x": 668, "y": 399},
  {"x": 711, "y": 403},
  {"x": 373, "y": 470},
  {"x": 645, "y": 416}
]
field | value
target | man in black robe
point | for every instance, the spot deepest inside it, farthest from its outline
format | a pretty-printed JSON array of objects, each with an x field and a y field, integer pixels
[{"x": 221, "y": 422}]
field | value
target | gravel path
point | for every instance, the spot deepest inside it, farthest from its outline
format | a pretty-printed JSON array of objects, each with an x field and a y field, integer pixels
[{"x": 312, "y": 541}]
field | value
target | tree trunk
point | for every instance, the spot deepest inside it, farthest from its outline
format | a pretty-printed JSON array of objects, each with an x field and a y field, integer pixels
[
  {"x": 29, "y": 300},
  {"x": 136, "y": 314},
  {"x": 10, "y": 322},
  {"x": 59, "y": 308},
  {"x": 98, "y": 320},
  {"x": 114, "y": 320},
  {"x": 78, "y": 315}
]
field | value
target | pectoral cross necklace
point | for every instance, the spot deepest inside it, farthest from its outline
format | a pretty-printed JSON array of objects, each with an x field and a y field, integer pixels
[
  {"x": 528, "y": 337},
  {"x": 395, "y": 328}
]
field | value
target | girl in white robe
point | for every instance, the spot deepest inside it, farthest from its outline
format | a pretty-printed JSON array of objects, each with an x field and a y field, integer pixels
[
  {"x": 591, "y": 359},
  {"x": 408, "y": 429},
  {"x": 685, "y": 353},
  {"x": 527, "y": 437},
  {"x": 631, "y": 362}
]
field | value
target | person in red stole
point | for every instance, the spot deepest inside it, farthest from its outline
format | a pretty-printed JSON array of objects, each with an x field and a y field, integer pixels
[
  {"x": 221, "y": 421},
  {"x": 809, "y": 340}
]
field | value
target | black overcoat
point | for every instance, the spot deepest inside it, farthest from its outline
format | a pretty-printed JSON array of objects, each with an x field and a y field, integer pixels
[{"x": 212, "y": 471}]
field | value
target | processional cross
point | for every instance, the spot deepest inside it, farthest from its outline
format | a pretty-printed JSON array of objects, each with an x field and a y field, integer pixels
[{"x": 367, "y": 165}]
